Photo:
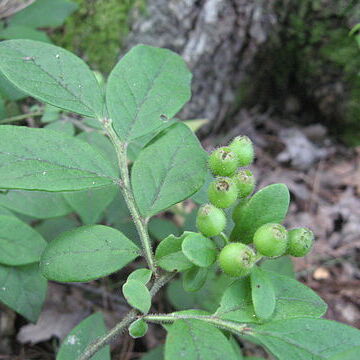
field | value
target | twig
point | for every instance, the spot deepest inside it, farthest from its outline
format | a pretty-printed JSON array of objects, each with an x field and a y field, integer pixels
[{"x": 21, "y": 117}]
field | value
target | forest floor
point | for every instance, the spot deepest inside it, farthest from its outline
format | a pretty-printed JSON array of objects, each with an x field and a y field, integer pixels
[{"x": 324, "y": 180}]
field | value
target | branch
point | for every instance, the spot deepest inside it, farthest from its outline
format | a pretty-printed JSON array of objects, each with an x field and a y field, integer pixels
[
  {"x": 128, "y": 319},
  {"x": 21, "y": 117},
  {"x": 125, "y": 186}
]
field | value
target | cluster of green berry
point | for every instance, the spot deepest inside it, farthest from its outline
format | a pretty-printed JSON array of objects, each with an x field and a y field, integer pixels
[{"x": 231, "y": 184}]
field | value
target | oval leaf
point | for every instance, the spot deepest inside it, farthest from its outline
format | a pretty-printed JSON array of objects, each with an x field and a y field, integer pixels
[
  {"x": 38, "y": 204},
  {"x": 304, "y": 339},
  {"x": 23, "y": 289},
  {"x": 20, "y": 244},
  {"x": 87, "y": 253},
  {"x": 200, "y": 250},
  {"x": 293, "y": 300},
  {"x": 81, "y": 336},
  {"x": 52, "y": 75},
  {"x": 41, "y": 159},
  {"x": 194, "y": 279},
  {"x": 263, "y": 293},
  {"x": 268, "y": 205},
  {"x": 170, "y": 169},
  {"x": 146, "y": 85},
  {"x": 169, "y": 255},
  {"x": 194, "y": 339},
  {"x": 137, "y": 295},
  {"x": 143, "y": 275}
]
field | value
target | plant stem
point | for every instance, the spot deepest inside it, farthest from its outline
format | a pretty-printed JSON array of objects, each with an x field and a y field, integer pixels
[
  {"x": 224, "y": 237},
  {"x": 232, "y": 326},
  {"x": 20, "y": 117},
  {"x": 127, "y": 320},
  {"x": 140, "y": 223}
]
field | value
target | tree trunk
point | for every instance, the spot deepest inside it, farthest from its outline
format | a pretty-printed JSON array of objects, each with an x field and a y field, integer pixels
[{"x": 278, "y": 55}]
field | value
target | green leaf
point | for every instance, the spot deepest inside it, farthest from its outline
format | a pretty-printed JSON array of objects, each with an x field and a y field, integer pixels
[
  {"x": 143, "y": 275},
  {"x": 52, "y": 75},
  {"x": 195, "y": 339},
  {"x": 168, "y": 170},
  {"x": 169, "y": 255},
  {"x": 90, "y": 204},
  {"x": 138, "y": 328},
  {"x": 268, "y": 205},
  {"x": 236, "y": 347},
  {"x": 38, "y": 204},
  {"x": 87, "y": 253},
  {"x": 40, "y": 159},
  {"x": 23, "y": 32},
  {"x": 207, "y": 298},
  {"x": 51, "y": 113},
  {"x": 23, "y": 289},
  {"x": 63, "y": 126},
  {"x": 194, "y": 279},
  {"x": 304, "y": 339},
  {"x": 160, "y": 228},
  {"x": 137, "y": 295},
  {"x": 282, "y": 265},
  {"x": 52, "y": 228},
  {"x": 293, "y": 300},
  {"x": 201, "y": 197},
  {"x": 196, "y": 124},
  {"x": 44, "y": 13},
  {"x": 147, "y": 85},
  {"x": 263, "y": 293},
  {"x": 9, "y": 91},
  {"x": 83, "y": 335},
  {"x": 154, "y": 354},
  {"x": 19, "y": 243},
  {"x": 350, "y": 354},
  {"x": 200, "y": 250}
]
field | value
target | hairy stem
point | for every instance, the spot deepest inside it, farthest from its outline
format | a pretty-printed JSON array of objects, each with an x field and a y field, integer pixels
[
  {"x": 231, "y": 326},
  {"x": 124, "y": 323},
  {"x": 140, "y": 222},
  {"x": 20, "y": 117}
]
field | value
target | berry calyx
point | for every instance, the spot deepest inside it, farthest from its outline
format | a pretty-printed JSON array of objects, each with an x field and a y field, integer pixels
[
  {"x": 210, "y": 220},
  {"x": 222, "y": 192},
  {"x": 245, "y": 182},
  {"x": 223, "y": 162},
  {"x": 300, "y": 242},
  {"x": 271, "y": 240},
  {"x": 243, "y": 147},
  {"x": 236, "y": 259}
]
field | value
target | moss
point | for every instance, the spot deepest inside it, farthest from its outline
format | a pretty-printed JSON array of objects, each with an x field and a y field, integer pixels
[{"x": 97, "y": 29}]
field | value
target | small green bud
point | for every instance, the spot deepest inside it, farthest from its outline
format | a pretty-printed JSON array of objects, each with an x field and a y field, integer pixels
[
  {"x": 245, "y": 182},
  {"x": 210, "y": 220},
  {"x": 243, "y": 147},
  {"x": 222, "y": 192},
  {"x": 300, "y": 242},
  {"x": 223, "y": 162},
  {"x": 271, "y": 240},
  {"x": 236, "y": 259},
  {"x": 138, "y": 328}
]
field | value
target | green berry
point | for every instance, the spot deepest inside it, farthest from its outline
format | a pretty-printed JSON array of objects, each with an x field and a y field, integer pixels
[
  {"x": 300, "y": 242},
  {"x": 138, "y": 328},
  {"x": 243, "y": 147},
  {"x": 245, "y": 182},
  {"x": 210, "y": 220},
  {"x": 223, "y": 162},
  {"x": 271, "y": 240},
  {"x": 222, "y": 192},
  {"x": 236, "y": 259}
]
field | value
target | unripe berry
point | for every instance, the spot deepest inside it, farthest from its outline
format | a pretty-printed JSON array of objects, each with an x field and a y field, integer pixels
[
  {"x": 271, "y": 240},
  {"x": 236, "y": 259},
  {"x": 223, "y": 162},
  {"x": 210, "y": 220},
  {"x": 245, "y": 182},
  {"x": 243, "y": 147},
  {"x": 300, "y": 242},
  {"x": 222, "y": 192}
]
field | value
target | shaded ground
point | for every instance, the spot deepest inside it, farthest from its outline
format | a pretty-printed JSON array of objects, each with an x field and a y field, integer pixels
[{"x": 324, "y": 180}]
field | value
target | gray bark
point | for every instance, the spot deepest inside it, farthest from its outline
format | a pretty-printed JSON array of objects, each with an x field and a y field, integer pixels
[{"x": 218, "y": 39}]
